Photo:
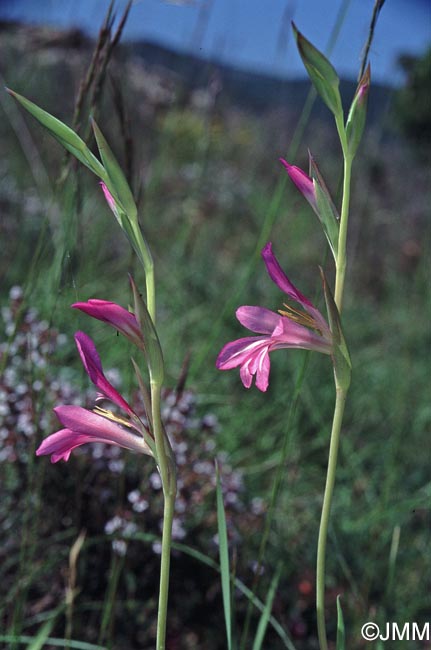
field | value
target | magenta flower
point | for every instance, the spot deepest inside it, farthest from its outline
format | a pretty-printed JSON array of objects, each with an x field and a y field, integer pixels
[
  {"x": 303, "y": 182},
  {"x": 287, "y": 329},
  {"x": 100, "y": 425},
  {"x": 116, "y": 316}
]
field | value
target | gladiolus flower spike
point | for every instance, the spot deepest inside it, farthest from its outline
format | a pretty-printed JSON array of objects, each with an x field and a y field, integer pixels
[
  {"x": 99, "y": 425},
  {"x": 289, "y": 328}
]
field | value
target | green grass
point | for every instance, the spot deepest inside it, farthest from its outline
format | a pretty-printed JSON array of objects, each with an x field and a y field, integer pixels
[{"x": 206, "y": 184}]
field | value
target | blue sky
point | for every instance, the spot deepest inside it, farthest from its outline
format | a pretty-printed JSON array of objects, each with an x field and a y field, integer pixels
[{"x": 254, "y": 34}]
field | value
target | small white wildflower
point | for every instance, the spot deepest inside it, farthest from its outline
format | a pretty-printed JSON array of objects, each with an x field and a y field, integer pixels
[
  {"x": 156, "y": 481},
  {"x": 16, "y": 293}
]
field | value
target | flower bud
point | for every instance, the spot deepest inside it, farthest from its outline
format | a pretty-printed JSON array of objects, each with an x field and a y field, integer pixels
[{"x": 357, "y": 113}]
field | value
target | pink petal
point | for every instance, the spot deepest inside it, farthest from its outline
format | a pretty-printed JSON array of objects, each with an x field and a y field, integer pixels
[
  {"x": 257, "y": 319},
  {"x": 80, "y": 420},
  {"x": 59, "y": 445},
  {"x": 93, "y": 367},
  {"x": 114, "y": 315},
  {"x": 260, "y": 366},
  {"x": 237, "y": 352},
  {"x": 278, "y": 276},
  {"x": 252, "y": 355}
]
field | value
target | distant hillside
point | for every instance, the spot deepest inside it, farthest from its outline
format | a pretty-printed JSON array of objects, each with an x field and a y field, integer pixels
[
  {"x": 235, "y": 87},
  {"x": 251, "y": 90}
]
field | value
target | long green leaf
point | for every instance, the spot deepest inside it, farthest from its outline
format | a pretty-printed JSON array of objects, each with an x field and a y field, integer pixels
[
  {"x": 224, "y": 561},
  {"x": 264, "y": 619},
  {"x": 63, "y": 134},
  {"x": 39, "y": 640}
]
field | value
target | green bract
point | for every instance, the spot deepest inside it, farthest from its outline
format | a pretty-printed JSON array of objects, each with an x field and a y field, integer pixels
[
  {"x": 321, "y": 73},
  {"x": 357, "y": 113},
  {"x": 153, "y": 350},
  {"x": 340, "y": 352},
  {"x": 325, "y": 208}
]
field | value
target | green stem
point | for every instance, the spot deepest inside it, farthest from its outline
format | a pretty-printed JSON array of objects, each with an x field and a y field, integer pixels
[
  {"x": 340, "y": 396},
  {"x": 167, "y": 474},
  {"x": 342, "y": 237},
  {"x": 146, "y": 259},
  {"x": 326, "y": 508},
  {"x": 151, "y": 293},
  {"x": 168, "y": 514}
]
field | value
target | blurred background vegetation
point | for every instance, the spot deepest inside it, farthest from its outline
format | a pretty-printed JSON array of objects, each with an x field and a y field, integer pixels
[{"x": 211, "y": 192}]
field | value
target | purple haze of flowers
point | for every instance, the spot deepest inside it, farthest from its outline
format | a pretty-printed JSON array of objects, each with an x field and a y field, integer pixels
[
  {"x": 287, "y": 329},
  {"x": 82, "y": 425}
]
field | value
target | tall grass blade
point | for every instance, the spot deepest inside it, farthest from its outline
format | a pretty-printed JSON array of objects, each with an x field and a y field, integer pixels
[
  {"x": 41, "y": 637},
  {"x": 341, "y": 635},
  {"x": 224, "y": 561},
  {"x": 264, "y": 619}
]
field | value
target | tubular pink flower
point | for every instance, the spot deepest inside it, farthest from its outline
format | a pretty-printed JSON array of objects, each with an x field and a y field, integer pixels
[
  {"x": 303, "y": 182},
  {"x": 287, "y": 329},
  {"x": 84, "y": 426},
  {"x": 115, "y": 315},
  {"x": 100, "y": 425}
]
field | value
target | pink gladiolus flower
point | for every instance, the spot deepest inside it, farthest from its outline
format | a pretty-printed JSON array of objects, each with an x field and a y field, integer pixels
[
  {"x": 116, "y": 316},
  {"x": 287, "y": 329},
  {"x": 100, "y": 425},
  {"x": 303, "y": 182}
]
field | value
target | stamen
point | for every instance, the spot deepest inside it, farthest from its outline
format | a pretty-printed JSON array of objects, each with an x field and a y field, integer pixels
[
  {"x": 299, "y": 317},
  {"x": 111, "y": 416}
]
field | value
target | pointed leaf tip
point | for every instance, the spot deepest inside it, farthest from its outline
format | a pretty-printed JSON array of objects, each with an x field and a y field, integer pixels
[
  {"x": 66, "y": 136},
  {"x": 321, "y": 72},
  {"x": 341, "y": 634}
]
